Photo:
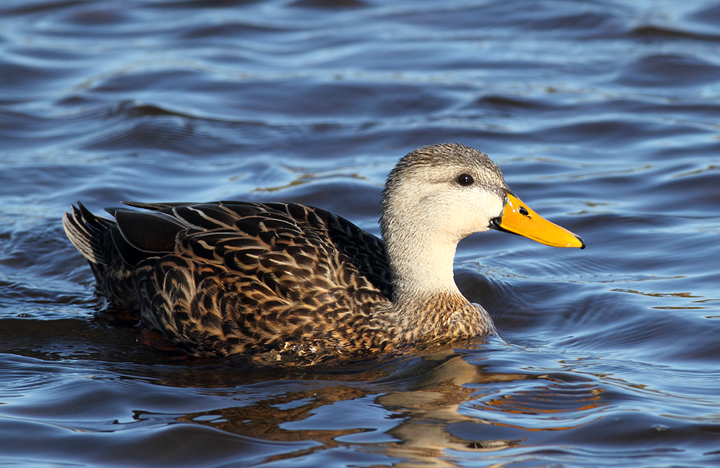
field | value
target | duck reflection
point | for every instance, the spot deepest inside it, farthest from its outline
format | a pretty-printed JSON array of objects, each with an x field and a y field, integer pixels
[{"x": 428, "y": 409}]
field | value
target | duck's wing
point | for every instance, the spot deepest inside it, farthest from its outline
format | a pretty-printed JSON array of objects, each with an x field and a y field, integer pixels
[
  {"x": 227, "y": 277},
  {"x": 365, "y": 250},
  {"x": 212, "y": 228}
]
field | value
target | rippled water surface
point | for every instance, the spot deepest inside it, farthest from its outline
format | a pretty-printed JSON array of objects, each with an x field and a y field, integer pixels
[{"x": 604, "y": 117}]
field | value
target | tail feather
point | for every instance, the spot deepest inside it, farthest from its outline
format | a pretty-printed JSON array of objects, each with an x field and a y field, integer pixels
[{"x": 85, "y": 231}]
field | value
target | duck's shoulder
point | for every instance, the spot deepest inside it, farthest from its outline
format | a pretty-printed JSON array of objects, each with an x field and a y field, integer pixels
[{"x": 364, "y": 250}]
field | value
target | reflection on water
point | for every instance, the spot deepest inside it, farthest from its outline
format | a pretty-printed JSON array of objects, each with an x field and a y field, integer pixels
[
  {"x": 602, "y": 115},
  {"x": 416, "y": 412}
]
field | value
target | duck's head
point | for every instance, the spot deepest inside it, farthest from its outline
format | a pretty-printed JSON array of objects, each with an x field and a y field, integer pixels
[{"x": 442, "y": 193}]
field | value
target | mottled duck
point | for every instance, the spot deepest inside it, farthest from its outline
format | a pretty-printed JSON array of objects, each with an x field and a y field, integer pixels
[{"x": 288, "y": 280}]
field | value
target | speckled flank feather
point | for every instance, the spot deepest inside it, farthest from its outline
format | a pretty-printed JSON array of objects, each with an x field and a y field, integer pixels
[{"x": 281, "y": 278}]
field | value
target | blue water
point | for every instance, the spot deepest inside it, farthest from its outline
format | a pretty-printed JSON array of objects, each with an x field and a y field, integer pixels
[{"x": 604, "y": 117}]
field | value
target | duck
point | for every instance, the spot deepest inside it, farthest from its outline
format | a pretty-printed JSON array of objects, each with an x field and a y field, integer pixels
[{"x": 296, "y": 282}]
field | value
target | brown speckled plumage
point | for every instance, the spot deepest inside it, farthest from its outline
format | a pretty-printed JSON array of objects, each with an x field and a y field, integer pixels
[{"x": 238, "y": 277}]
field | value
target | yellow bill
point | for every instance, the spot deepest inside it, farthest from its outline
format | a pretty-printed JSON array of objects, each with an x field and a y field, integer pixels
[{"x": 519, "y": 219}]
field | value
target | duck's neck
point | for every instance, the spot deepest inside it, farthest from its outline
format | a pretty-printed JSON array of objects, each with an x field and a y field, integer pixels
[
  {"x": 422, "y": 264},
  {"x": 427, "y": 303}
]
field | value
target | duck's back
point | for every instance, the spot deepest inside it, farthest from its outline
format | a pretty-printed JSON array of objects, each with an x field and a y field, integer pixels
[{"x": 232, "y": 277}]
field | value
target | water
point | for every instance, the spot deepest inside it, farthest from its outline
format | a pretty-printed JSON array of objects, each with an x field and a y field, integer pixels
[{"x": 603, "y": 116}]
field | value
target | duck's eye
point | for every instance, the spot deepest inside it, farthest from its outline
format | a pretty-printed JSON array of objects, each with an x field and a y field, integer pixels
[{"x": 465, "y": 180}]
